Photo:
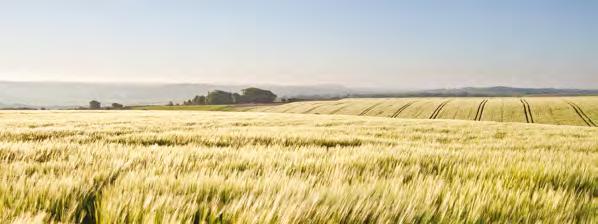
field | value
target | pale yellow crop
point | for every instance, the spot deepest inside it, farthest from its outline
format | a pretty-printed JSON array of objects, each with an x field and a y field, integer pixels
[{"x": 232, "y": 167}]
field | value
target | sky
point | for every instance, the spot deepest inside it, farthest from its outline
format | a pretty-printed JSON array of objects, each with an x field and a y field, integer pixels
[{"x": 372, "y": 44}]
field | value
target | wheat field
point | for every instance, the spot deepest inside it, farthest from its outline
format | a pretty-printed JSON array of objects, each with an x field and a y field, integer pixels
[
  {"x": 232, "y": 167},
  {"x": 581, "y": 111}
]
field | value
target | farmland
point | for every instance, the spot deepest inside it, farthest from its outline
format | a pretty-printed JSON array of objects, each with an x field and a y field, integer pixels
[
  {"x": 252, "y": 167},
  {"x": 230, "y": 107},
  {"x": 581, "y": 111},
  {"x": 187, "y": 107}
]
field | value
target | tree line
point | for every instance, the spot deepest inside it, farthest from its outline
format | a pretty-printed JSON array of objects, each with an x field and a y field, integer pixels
[
  {"x": 219, "y": 97},
  {"x": 216, "y": 97}
]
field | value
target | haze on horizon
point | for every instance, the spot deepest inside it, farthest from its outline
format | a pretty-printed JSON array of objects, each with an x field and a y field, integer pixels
[{"x": 383, "y": 44}]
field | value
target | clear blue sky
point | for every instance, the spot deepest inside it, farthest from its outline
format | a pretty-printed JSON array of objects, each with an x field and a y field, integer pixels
[{"x": 386, "y": 44}]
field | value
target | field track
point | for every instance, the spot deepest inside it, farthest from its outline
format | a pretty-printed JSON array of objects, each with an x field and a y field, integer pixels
[
  {"x": 582, "y": 115},
  {"x": 338, "y": 109},
  {"x": 398, "y": 112},
  {"x": 313, "y": 108},
  {"x": 439, "y": 109},
  {"x": 480, "y": 111},
  {"x": 364, "y": 112},
  {"x": 527, "y": 111}
]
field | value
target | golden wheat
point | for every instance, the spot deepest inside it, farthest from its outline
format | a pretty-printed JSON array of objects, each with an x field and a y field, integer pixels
[
  {"x": 544, "y": 110},
  {"x": 184, "y": 166}
]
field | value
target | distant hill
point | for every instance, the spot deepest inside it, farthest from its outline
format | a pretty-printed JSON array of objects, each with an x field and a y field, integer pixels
[
  {"x": 480, "y": 91},
  {"x": 66, "y": 94}
]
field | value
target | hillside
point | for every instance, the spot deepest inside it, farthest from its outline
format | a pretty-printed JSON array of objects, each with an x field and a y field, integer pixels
[{"x": 581, "y": 111}]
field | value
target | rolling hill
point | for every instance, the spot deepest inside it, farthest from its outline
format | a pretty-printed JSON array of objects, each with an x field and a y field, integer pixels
[
  {"x": 582, "y": 111},
  {"x": 72, "y": 94}
]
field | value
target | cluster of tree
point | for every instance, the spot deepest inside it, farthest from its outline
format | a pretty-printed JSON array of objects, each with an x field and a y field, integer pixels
[
  {"x": 249, "y": 95},
  {"x": 96, "y": 105}
]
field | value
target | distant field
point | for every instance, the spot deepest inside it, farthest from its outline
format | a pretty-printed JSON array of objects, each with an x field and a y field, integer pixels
[
  {"x": 581, "y": 111},
  {"x": 194, "y": 166},
  {"x": 242, "y": 107},
  {"x": 187, "y": 107}
]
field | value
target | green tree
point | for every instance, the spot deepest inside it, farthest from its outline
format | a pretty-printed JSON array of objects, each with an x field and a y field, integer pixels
[
  {"x": 199, "y": 100},
  {"x": 237, "y": 98},
  {"x": 117, "y": 106},
  {"x": 94, "y": 104},
  {"x": 219, "y": 97},
  {"x": 255, "y": 95}
]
